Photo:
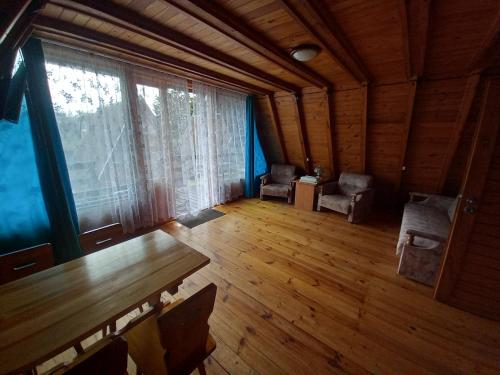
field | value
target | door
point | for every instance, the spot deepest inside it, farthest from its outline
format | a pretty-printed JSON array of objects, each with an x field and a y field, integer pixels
[{"x": 470, "y": 274}]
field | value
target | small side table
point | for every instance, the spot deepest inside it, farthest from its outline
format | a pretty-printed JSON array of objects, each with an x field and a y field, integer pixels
[{"x": 305, "y": 195}]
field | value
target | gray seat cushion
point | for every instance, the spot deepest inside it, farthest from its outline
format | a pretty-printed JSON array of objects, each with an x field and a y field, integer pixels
[
  {"x": 424, "y": 219},
  {"x": 277, "y": 190},
  {"x": 339, "y": 203}
]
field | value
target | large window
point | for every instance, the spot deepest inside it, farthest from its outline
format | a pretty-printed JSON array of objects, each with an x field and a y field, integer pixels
[{"x": 140, "y": 147}]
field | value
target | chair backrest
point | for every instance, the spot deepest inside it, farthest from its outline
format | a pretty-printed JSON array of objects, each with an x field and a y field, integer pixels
[
  {"x": 25, "y": 262},
  {"x": 362, "y": 181},
  {"x": 101, "y": 238},
  {"x": 107, "y": 357},
  {"x": 282, "y": 173},
  {"x": 354, "y": 182},
  {"x": 184, "y": 331}
]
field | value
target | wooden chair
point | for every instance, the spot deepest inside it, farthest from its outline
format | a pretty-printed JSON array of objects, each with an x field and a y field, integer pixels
[
  {"x": 106, "y": 357},
  {"x": 177, "y": 339},
  {"x": 25, "y": 262},
  {"x": 100, "y": 238}
]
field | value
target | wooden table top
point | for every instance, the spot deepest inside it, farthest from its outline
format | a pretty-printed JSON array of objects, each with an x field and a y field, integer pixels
[{"x": 45, "y": 313}]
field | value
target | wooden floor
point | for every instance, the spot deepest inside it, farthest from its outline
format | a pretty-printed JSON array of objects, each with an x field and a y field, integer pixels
[{"x": 308, "y": 293}]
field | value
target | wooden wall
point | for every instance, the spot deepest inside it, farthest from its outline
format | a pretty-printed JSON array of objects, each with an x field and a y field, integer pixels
[
  {"x": 478, "y": 285},
  {"x": 388, "y": 149},
  {"x": 436, "y": 108},
  {"x": 470, "y": 276}
]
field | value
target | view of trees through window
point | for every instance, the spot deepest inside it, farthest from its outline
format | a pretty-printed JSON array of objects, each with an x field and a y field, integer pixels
[{"x": 137, "y": 153}]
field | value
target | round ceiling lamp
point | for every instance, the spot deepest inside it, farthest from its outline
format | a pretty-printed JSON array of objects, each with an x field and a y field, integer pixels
[{"x": 305, "y": 52}]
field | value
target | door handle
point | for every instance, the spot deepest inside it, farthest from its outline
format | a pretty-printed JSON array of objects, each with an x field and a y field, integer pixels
[
  {"x": 470, "y": 205},
  {"x": 470, "y": 210}
]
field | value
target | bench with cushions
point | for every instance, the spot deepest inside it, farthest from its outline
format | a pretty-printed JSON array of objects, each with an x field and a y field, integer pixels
[{"x": 424, "y": 231}]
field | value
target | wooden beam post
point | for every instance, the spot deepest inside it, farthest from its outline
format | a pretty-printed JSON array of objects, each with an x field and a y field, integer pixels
[
  {"x": 475, "y": 179},
  {"x": 11, "y": 11},
  {"x": 302, "y": 132},
  {"x": 416, "y": 21},
  {"x": 277, "y": 126},
  {"x": 79, "y": 33},
  {"x": 215, "y": 16},
  {"x": 469, "y": 93},
  {"x": 363, "y": 131},
  {"x": 321, "y": 25},
  {"x": 130, "y": 20},
  {"x": 330, "y": 120},
  {"x": 405, "y": 134},
  {"x": 489, "y": 48},
  {"x": 403, "y": 13}
]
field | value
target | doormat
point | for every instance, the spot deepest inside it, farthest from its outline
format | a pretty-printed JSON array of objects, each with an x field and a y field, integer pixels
[{"x": 192, "y": 221}]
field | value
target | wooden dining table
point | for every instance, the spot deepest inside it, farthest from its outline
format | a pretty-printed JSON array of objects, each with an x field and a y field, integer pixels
[{"x": 46, "y": 313}]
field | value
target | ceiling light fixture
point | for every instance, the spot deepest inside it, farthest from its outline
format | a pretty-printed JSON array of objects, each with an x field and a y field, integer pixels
[{"x": 305, "y": 52}]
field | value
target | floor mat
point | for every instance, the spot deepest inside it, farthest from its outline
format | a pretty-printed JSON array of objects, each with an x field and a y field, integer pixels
[{"x": 192, "y": 221}]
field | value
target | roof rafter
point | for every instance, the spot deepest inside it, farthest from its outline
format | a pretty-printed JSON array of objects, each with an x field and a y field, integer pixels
[
  {"x": 11, "y": 11},
  {"x": 489, "y": 48},
  {"x": 416, "y": 33},
  {"x": 213, "y": 15},
  {"x": 302, "y": 132},
  {"x": 327, "y": 33},
  {"x": 59, "y": 27},
  {"x": 128, "y": 19},
  {"x": 471, "y": 87},
  {"x": 277, "y": 126}
]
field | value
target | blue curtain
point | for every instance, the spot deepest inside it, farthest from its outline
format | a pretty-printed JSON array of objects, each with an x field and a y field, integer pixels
[
  {"x": 23, "y": 217},
  {"x": 50, "y": 158},
  {"x": 255, "y": 160}
]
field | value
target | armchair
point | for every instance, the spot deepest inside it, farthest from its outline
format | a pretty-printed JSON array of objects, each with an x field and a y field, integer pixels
[
  {"x": 352, "y": 195},
  {"x": 424, "y": 232},
  {"x": 278, "y": 183}
]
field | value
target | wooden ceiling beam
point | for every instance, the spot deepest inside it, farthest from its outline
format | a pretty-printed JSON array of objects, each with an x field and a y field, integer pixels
[
  {"x": 330, "y": 121},
  {"x": 416, "y": 33},
  {"x": 302, "y": 132},
  {"x": 215, "y": 16},
  {"x": 277, "y": 126},
  {"x": 16, "y": 29},
  {"x": 20, "y": 30},
  {"x": 412, "y": 91},
  {"x": 470, "y": 91},
  {"x": 130, "y": 20},
  {"x": 363, "y": 132},
  {"x": 328, "y": 34},
  {"x": 403, "y": 13},
  {"x": 10, "y": 12},
  {"x": 59, "y": 27},
  {"x": 489, "y": 50}
]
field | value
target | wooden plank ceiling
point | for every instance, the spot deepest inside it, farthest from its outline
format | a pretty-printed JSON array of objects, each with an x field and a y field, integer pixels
[{"x": 389, "y": 93}]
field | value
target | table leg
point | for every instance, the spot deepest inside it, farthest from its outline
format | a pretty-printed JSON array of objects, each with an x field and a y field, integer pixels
[{"x": 174, "y": 290}]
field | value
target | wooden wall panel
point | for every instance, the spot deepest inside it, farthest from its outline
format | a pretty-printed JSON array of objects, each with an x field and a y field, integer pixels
[
  {"x": 387, "y": 107},
  {"x": 457, "y": 30},
  {"x": 456, "y": 172},
  {"x": 375, "y": 31},
  {"x": 436, "y": 108},
  {"x": 478, "y": 285},
  {"x": 316, "y": 124},
  {"x": 270, "y": 18},
  {"x": 285, "y": 104},
  {"x": 267, "y": 131},
  {"x": 347, "y": 113}
]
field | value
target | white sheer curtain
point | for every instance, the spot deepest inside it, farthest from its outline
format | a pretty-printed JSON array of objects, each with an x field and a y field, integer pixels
[
  {"x": 142, "y": 148},
  {"x": 91, "y": 106},
  {"x": 219, "y": 118}
]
